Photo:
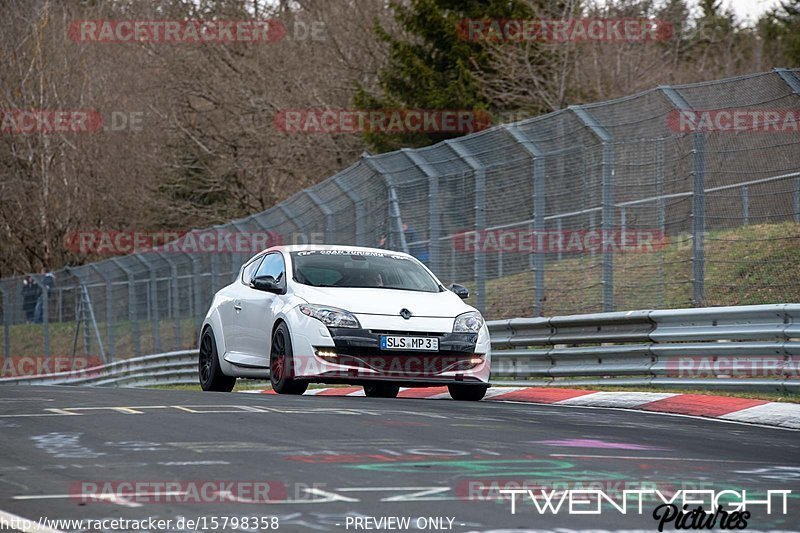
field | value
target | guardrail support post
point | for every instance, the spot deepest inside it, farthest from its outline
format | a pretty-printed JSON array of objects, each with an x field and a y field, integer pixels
[
  {"x": 607, "y": 200},
  {"x": 358, "y": 205},
  {"x": 395, "y": 217},
  {"x": 537, "y": 258},
  {"x": 434, "y": 211},
  {"x": 698, "y": 199},
  {"x": 479, "y": 256}
]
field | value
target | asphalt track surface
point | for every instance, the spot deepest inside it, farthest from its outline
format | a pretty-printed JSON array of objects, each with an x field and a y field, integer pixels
[{"x": 328, "y": 458}]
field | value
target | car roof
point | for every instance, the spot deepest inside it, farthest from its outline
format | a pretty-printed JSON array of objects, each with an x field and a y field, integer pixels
[{"x": 318, "y": 247}]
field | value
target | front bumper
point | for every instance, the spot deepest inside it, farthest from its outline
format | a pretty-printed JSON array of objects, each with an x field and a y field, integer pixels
[{"x": 354, "y": 356}]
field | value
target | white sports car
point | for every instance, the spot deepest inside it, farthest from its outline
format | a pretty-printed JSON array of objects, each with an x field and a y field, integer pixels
[{"x": 341, "y": 314}]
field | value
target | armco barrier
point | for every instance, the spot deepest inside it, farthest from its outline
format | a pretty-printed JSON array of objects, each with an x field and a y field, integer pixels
[{"x": 753, "y": 347}]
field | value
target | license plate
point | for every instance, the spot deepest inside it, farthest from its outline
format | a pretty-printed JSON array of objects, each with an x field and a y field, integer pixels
[{"x": 423, "y": 344}]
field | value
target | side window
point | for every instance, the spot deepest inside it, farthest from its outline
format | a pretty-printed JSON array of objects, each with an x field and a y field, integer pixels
[
  {"x": 272, "y": 266},
  {"x": 250, "y": 268}
]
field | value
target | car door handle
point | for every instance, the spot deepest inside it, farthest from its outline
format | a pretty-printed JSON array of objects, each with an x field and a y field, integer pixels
[{"x": 237, "y": 304}]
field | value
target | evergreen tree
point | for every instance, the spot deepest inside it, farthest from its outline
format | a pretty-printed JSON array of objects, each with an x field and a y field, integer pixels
[
  {"x": 780, "y": 30},
  {"x": 434, "y": 64}
]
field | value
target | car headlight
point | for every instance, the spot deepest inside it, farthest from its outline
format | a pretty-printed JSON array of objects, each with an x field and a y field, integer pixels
[
  {"x": 470, "y": 322},
  {"x": 330, "y": 316}
]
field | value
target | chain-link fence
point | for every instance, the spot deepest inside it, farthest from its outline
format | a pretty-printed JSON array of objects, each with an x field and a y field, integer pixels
[{"x": 678, "y": 196}]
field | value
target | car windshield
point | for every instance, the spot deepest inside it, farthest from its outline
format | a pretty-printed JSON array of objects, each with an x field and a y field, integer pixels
[{"x": 361, "y": 269}]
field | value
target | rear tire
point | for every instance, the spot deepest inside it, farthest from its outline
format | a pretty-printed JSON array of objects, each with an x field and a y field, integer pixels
[
  {"x": 211, "y": 376},
  {"x": 381, "y": 390},
  {"x": 281, "y": 364},
  {"x": 467, "y": 393}
]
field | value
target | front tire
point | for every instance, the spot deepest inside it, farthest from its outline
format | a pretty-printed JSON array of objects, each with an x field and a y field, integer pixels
[
  {"x": 381, "y": 390},
  {"x": 281, "y": 364},
  {"x": 467, "y": 393},
  {"x": 210, "y": 373}
]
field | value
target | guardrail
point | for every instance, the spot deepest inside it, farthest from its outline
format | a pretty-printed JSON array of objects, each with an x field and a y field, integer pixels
[{"x": 753, "y": 347}]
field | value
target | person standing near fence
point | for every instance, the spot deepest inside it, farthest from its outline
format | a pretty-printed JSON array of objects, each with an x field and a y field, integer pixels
[
  {"x": 48, "y": 280},
  {"x": 30, "y": 294}
]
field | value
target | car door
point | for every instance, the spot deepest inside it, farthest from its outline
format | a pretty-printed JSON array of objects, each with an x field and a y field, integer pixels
[
  {"x": 230, "y": 309},
  {"x": 257, "y": 314}
]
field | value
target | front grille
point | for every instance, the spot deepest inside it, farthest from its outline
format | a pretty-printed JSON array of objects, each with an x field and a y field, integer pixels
[{"x": 407, "y": 333}]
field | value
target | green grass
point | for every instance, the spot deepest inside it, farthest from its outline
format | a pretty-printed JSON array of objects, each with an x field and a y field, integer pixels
[
  {"x": 27, "y": 339},
  {"x": 755, "y": 264}
]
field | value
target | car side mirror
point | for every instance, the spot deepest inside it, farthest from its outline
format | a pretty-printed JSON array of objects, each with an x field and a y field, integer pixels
[
  {"x": 460, "y": 290},
  {"x": 266, "y": 284}
]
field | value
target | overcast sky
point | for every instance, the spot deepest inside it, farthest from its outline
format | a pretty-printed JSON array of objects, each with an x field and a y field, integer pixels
[{"x": 750, "y": 9}]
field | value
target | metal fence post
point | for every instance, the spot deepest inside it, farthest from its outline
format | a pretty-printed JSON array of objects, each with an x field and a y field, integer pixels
[
  {"x": 662, "y": 203},
  {"x": 109, "y": 313},
  {"x": 790, "y": 78},
  {"x": 698, "y": 218},
  {"x": 45, "y": 317},
  {"x": 6, "y": 323},
  {"x": 608, "y": 215},
  {"x": 796, "y": 199},
  {"x": 479, "y": 257},
  {"x": 358, "y": 205},
  {"x": 88, "y": 311},
  {"x": 326, "y": 212},
  {"x": 175, "y": 300},
  {"x": 132, "y": 315},
  {"x": 538, "y": 256},
  {"x": 559, "y": 229},
  {"x": 745, "y": 205},
  {"x": 292, "y": 218},
  {"x": 214, "y": 260},
  {"x": 153, "y": 300},
  {"x": 698, "y": 199},
  {"x": 434, "y": 211},
  {"x": 395, "y": 215},
  {"x": 197, "y": 296}
]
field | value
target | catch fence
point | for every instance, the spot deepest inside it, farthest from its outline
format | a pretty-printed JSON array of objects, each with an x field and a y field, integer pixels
[{"x": 660, "y": 200}]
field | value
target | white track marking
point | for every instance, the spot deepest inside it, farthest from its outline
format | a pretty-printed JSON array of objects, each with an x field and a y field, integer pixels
[{"x": 617, "y": 399}]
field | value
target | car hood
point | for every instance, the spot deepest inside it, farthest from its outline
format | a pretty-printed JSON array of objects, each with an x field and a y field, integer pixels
[{"x": 385, "y": 301}]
